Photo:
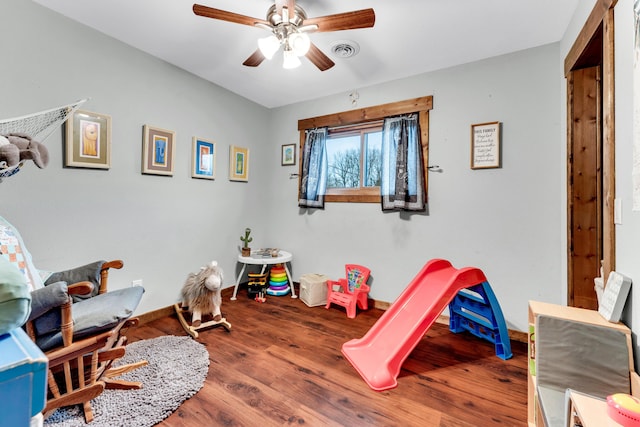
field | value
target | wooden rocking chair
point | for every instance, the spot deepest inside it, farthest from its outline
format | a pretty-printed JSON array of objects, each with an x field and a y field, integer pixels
[
  {"x": 76, "y": 323},
  {"x": 90, "y": 337}
]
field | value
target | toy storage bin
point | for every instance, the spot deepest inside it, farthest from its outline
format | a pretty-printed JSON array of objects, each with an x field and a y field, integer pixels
[
  {"x": 23, "y": 380},
  {"x": 313, "y": 289}
]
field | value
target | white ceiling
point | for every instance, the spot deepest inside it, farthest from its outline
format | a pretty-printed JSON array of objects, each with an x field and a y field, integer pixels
[{"x": 409, "y": 37}]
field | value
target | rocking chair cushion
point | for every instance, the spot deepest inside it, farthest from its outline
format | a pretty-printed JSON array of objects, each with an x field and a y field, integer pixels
[
  {"x": 44, "y": 300},
  {"x": 97, "y": 314},
  {"x": 85, "y": 273}
]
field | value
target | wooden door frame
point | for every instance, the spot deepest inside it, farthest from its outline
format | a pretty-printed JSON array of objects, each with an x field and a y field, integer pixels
[{"x": 601, "y": 15}]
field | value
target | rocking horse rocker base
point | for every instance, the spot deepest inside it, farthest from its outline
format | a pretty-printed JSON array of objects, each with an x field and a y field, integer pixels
[{"x": 196, "y": 321}]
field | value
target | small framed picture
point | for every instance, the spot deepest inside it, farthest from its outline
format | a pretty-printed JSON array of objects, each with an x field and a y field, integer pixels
[
  {"x": 238, "y": 163},
  {"x": 485, "y": 145},
  {"x": 158, "y": 151},
  {"x": 288, "y": 155},
  {"x": 203, "y": 159},
  {"x": 88, "y": 140}
]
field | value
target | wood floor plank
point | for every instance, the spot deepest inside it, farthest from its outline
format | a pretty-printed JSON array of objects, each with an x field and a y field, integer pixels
[{"x": 282, "y": 365}]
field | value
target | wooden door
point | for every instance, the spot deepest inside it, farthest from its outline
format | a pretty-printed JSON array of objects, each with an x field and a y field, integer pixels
[
  {"x": 589, "y": 68},
  {"x": 585, "y": 207}
]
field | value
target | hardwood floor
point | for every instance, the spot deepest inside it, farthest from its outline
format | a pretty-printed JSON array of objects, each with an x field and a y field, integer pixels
[{"x": 281, "y": 365}]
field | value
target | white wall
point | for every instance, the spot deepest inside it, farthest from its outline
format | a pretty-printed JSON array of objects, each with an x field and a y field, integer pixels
[
  {"x": 162, "y": 227},
  {"x": 507, "y": 221}
]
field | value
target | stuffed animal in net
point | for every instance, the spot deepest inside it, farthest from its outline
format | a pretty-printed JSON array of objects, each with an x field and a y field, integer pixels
[
  {"x": 17, "y": 147},
  {"x": 201, "y": 293}
]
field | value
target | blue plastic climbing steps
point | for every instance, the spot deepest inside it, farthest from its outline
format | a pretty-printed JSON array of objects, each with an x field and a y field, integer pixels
[{"x": 476, "y": 309}]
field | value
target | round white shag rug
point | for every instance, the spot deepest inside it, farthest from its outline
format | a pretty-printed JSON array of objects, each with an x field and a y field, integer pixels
[{"x": 176, "y": 371}]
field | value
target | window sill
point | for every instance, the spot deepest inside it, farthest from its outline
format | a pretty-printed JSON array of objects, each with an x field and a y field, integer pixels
[{"x": 369, "y": 195}]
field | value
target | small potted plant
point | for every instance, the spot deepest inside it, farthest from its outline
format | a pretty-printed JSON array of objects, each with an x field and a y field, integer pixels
[{"x": 246, "y": 250}]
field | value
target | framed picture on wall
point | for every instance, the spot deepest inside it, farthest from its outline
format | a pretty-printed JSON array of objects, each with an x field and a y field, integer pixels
[
  {"x": 485, "y": 145},
  {"x": 238, "y": 163},
  {"x": 88, "y": 140},
  {"x": 288, "y": 155},
  {"x": 203, "y": 159},
  {"x": 158, "y": 151}
]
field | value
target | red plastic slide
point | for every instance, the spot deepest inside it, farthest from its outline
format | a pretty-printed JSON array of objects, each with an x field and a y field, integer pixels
[{"x": 379, "y": 355}]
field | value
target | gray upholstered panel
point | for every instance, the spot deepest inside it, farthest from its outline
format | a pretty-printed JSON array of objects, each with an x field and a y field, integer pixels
[
  {"x": 588, "y": 358},
  {"x": 552, "y": 403}
]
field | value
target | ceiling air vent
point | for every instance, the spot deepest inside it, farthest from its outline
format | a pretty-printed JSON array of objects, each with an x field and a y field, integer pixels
[{"x": 345, "y": 49}]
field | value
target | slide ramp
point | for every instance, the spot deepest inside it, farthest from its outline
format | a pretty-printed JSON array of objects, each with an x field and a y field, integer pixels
[{"x": 380, "y": 353}]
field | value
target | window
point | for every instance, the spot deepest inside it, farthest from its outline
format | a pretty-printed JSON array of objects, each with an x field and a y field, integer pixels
[
  {"x": 353, "y": 155},
  {"x": 361, "y": 130}
]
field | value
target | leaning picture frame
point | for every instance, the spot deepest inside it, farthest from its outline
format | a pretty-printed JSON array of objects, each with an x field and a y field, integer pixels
[
  {"x": 288, "y": 155},
  {"x": 203, "y": 158},
  {"x": 88, "y": 140},
  {"x": 158, "y": 151},
  {"x": 238, "y": 163},
  {"x": 485, "y": 146}
]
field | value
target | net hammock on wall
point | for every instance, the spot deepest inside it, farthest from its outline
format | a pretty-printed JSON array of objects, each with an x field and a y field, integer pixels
[{"x": 38, "y": 126}]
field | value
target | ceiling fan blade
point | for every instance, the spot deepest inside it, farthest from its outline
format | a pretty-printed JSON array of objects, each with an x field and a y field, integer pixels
[
  {"x": 319, "y": 59},
  {"x": 255, "y": 59},
  {"x": 223, "y": 15},
  {"x": 364, "y": 18}
]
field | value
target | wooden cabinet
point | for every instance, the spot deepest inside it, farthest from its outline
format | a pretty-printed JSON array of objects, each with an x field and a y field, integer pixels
[{"x": 571, "y": 314}]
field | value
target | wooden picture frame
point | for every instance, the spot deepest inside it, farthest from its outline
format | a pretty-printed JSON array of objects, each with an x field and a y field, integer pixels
[
  {"x": 88, "y": 140},
  {"x": 203, "y": 159},
  {"x": 485, "y": 146},
  {"x": 288, "y": 155},
  {"x": 238, "y": 163},
  {"x": 158, "y": 151}
]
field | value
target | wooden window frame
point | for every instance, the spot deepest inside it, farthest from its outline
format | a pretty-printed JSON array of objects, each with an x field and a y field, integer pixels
[{"x": 421, "y": 105}]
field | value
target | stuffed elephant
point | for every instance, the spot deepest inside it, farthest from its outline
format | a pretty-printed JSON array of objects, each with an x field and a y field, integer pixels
[{"x": 16, "y": 147}]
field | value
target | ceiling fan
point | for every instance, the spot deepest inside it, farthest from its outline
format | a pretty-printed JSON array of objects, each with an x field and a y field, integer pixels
[{"x": 289, "y": 25}]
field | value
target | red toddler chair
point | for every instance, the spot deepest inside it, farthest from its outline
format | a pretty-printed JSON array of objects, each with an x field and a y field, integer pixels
[{"x": 350, "y": 291}]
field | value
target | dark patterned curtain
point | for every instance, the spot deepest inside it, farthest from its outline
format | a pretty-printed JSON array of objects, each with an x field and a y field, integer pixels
[
  {"x": 402, "y": 166},
  {"x": 313, "y": 182}
]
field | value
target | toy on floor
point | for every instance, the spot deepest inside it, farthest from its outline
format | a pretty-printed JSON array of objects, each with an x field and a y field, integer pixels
[
  {"x": 351, "y": 291},
  {"x": 278, "y": 283},
  {"x": 380, "y": 353},
  {"x": 257, "y": 286},
  {"x": 201, "y": 296}
]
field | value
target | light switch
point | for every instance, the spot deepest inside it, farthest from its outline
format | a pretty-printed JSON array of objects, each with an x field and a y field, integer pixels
[{"x": 617, "y": 211}]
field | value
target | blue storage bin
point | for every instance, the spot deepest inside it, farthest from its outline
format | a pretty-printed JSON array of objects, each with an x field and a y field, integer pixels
[{"x": 23, "y": 379}]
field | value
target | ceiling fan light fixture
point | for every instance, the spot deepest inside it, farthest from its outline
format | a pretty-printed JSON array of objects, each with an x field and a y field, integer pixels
[
  {"x": 299, "y": 43},
  {"x": 269, "y": 46},
  {"x": 290, "y": 60}
]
